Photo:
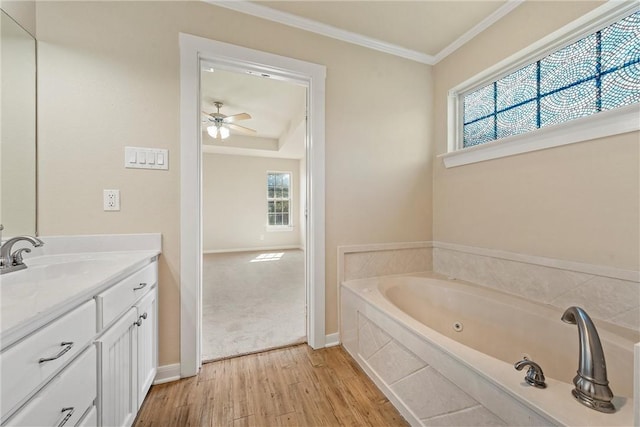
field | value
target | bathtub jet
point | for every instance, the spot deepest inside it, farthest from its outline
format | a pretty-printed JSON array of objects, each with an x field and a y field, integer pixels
[{"x": 591, "y": 383}]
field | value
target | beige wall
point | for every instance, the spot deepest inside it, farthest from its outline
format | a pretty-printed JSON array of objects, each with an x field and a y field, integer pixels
[
  {"x": 234, "y": 202},
  {"x": 23, "y": 12},
  {"x": 578, "y": 202},
  {"x": 109, "y": 77}
]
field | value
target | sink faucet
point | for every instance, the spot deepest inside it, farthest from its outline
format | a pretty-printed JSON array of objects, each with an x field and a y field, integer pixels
[
  {"x": 12, "y": 261},
  {"x": 591, "y": 383}
]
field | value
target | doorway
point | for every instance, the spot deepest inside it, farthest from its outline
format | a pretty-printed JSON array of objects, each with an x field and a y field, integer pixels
[
  {"x": 194, "y": 50},
  {"x": 253, "y": 225}
]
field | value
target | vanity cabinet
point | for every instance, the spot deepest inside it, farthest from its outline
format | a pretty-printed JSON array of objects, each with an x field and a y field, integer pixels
[
  {"x": 118, "y": 372},
  {"x": 30, "y": 362},
  {"x": 128, "y": 362},
  {"x": 147, "y": 332},
  {"x": 66, "y": 398},
  {"x": 91, "y": 366},
  {"x": 127, "y": 348}
]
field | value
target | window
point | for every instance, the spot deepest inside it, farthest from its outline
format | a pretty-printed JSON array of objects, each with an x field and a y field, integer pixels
[
  {"x": 598, "y": 73},
  {"x": 279, "y": 199},
  {"x": 578, "y": 83}
]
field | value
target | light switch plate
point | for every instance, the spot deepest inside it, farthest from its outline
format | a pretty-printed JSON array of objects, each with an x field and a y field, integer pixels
[{"x": 146, "y": 158}]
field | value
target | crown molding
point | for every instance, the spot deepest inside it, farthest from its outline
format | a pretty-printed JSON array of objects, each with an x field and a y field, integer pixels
[
  {"x": 477, "y": 29},
  {"x": 285, "y": 18},
  {"x": 291, "y": 20}
]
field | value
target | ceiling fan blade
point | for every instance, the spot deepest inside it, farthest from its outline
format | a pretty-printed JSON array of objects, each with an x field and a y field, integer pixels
[
  {"x": 236, "y": 117},
  {"x": 240, "y": 129}
]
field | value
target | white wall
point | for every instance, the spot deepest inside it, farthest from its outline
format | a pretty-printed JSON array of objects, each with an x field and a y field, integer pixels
[{"x": 234, "y": 203}]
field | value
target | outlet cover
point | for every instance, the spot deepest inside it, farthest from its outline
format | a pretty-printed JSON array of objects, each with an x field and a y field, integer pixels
[{"x": 111, "y": 200}]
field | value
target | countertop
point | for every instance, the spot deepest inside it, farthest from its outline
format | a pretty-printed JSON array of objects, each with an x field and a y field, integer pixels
[{"x": 55, "y": 284}]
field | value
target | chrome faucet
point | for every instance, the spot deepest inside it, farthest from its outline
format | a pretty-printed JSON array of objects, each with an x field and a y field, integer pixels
[
  {"x": 535, "y": 376},
  {"x": 591, "y": 383},
  {"x": 12, "y": 261}
]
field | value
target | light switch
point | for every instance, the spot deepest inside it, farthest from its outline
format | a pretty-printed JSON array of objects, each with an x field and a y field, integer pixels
[{"x": 146, "y": 158}]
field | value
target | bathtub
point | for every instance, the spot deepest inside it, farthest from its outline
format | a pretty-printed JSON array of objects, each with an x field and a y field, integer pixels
[{"x": 443, "y": 351}]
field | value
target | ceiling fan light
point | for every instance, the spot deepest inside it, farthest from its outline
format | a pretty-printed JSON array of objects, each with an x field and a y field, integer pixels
[
  {"x": 212, "y": 131},
  {"x": 224, "y": 132}
]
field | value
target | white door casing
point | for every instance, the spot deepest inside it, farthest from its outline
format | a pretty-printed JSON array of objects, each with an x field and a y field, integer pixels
[{"x": 193, "y": 49}]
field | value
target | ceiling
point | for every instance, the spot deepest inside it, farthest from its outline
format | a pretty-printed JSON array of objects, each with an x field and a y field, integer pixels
[
  {"x": 277, "y": 110},
  {"x": 422, "y": 30}
]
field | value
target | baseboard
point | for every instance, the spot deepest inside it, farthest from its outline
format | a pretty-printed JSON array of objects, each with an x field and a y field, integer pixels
[
  {"x": 331, "y": 340},
  {"x": 167, "y": 373},
  {"x": 266, "y": 248}
]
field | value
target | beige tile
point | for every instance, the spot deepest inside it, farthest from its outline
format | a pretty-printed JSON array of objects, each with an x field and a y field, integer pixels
[
  {"x": 474, "y": 416},
  {"x": 603, "y": 298},
  {"x": 427, "y": 394},
  {"x": 393, "y": 362},
  {"x": 367, "y": 344}
]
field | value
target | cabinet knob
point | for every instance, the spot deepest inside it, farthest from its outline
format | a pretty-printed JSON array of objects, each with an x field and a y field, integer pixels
[
  {"x": 140, "y": 319},
  {"x": 67, "y": 346}
]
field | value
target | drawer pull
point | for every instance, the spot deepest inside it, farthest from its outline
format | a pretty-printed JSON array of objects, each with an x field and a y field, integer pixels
[
  {"x": 142, "y": 285},
  {"x": 67, "y": 346},
  {"x": 69, "y": 414}
]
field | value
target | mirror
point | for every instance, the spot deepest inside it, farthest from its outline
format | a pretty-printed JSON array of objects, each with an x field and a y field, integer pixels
[{"x": 17, "y": 129}]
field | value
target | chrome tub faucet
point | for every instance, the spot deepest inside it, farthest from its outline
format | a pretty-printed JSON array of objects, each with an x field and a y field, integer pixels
[
  {"x": 591, "y": 383},
  {"x": 12, "y": 261},
  {"x": 535, "y": 376}
]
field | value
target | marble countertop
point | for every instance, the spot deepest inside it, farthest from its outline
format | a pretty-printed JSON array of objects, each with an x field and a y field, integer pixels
[{"x": 55, "y": 284}]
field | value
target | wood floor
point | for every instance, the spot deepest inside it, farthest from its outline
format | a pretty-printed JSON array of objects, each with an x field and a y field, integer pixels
[{"x": 294, "y": 386}]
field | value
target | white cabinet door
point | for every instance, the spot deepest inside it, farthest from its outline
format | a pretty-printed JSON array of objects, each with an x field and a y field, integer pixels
[
  {"x": 147, "y": 342},
  {"x": 118, "y": 372}
]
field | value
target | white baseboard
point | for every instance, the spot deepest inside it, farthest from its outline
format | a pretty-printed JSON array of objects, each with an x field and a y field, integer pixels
[
  {"x": 332, "y": 340},
  {"x": 266, "y": 248},
  {"x": 167, "y": 373}
]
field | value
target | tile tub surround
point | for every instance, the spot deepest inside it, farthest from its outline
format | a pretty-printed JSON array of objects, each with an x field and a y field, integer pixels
[
  {"x": 432, "y": 398},
  {"x": 384, "y": 259},
  {"x": 605, "y": 293},
  {"x": 415, "y": 366}
]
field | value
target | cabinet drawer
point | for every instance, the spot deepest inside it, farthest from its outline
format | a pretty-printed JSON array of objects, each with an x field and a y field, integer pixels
[
  {"x": 24, "y": 367},
  {"x": 117, "y": 299},
  {"x": 66, "y": 398}
]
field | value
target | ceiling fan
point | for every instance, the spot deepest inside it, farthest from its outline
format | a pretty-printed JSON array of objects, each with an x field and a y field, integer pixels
[{"x": 220, "y": 124}]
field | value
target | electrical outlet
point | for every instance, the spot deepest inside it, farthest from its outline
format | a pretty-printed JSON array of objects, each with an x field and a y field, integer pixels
[{"x": 111, "y": 200}]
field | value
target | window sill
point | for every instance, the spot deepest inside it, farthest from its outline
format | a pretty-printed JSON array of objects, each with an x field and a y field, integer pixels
[
  {"x": 607, "y": 123},
  {"x": 279, "y": 228}
]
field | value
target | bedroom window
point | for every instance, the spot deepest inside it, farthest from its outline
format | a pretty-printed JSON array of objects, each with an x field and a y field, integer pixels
[
  {"x": 279, "y": 200},
  {"x": 585, "y": 78}
]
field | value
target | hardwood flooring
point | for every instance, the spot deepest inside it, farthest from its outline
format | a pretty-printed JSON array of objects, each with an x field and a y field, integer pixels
[{"x": 293, "y": 386}]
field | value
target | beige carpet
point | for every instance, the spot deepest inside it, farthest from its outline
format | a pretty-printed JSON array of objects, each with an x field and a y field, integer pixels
[{"x": 252, "y": 301}]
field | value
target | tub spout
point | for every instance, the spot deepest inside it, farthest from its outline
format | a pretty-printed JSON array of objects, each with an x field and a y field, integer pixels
[{"x": 591, "y": 383}]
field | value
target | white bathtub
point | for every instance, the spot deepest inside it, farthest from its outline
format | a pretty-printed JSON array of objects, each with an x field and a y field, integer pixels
[{"x": 400, "y": 329}]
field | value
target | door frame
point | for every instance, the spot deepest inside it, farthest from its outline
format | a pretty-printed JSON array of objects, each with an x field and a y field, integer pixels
[{"x": 193, "y": 50}]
